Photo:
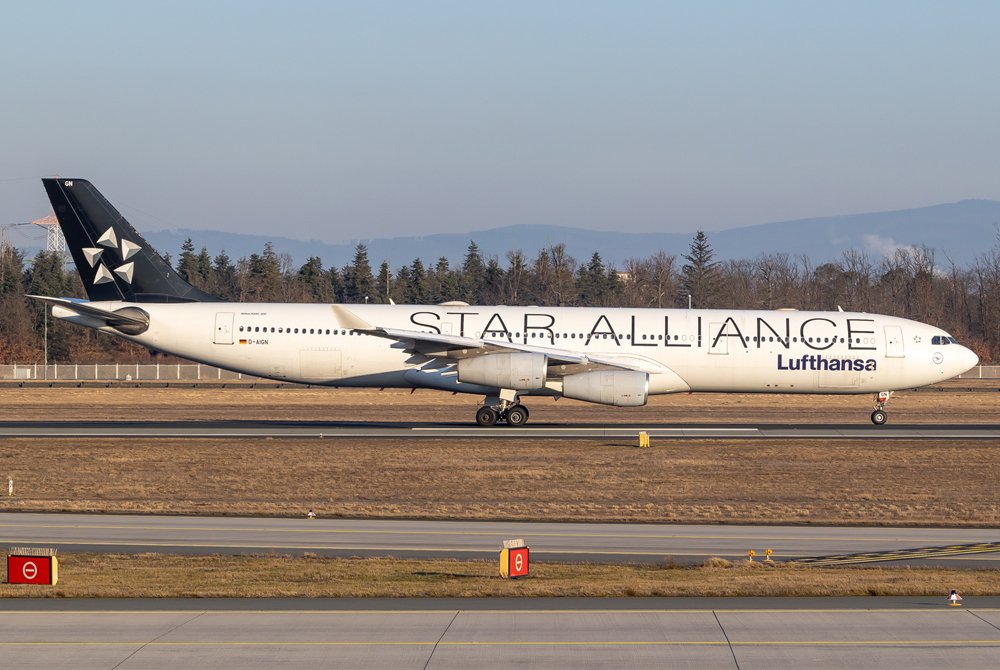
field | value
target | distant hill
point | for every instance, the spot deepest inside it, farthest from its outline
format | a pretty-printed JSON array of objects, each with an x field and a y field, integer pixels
[{"x": 959, "y": 231}]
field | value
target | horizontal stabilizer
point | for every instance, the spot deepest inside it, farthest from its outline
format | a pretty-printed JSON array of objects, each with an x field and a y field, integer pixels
[{"x": 129, "y": 320}]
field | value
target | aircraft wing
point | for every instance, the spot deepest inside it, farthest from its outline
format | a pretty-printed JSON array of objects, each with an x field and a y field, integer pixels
[{"x": 454, "y": 347}]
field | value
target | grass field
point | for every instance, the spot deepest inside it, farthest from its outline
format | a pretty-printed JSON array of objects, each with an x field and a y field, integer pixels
[
  {"x": 155, "y": 576},
  {"x": 789, "y": 481}
]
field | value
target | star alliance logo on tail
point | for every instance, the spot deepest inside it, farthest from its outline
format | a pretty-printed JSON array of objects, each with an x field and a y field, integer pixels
[
  {"x": 110, "y": 240},
  {"x": 821, "y": 362}
]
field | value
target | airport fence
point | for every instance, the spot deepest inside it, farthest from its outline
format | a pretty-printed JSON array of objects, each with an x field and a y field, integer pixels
[
  {"x": 194, "y": 372},
  {"x": 982, "y": 372}
]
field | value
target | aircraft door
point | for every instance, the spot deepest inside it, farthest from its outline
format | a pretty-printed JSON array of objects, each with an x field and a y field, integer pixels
[
  {"x": 894, "y": 342},
  {"x": 224, "y": 327}
]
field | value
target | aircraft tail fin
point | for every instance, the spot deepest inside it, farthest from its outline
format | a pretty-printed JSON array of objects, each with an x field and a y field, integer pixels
[{"x": 114, "y": 261}]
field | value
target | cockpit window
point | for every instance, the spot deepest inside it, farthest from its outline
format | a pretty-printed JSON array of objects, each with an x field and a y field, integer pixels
[{"x": 943, "y": 339}]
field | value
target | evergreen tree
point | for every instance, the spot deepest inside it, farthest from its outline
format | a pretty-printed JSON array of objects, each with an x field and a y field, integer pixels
[
  {"x": 224, "y": 282},
  {"x": 592, "y": 283},
  {"x": 416, "y": 287},
  {"x": 46, "y": 277},
  {"x": 335, "y": 279},
  {"x": 493, "y": 283},
  {"x": 187, "y": 263},
  {"x": 401, "y": 286},
  {"x": 19, "y": 336},
  {"x": 315, "y": 280},
  {"x": 700, "y": 275},
  {"x": 473, "y": 275},
  {"x": 443, "y": 283},
  {"x": 358, "y": 281},
  {"x": 264, "y": 281},
  {"x": 383, "y": 284},
  {"x": 204, "y": 265}
]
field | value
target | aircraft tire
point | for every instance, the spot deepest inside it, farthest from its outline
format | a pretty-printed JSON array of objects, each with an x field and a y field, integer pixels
[
  {"x": 487, "y": 416},
  {"x": 517, "y": 415},
  {"x": 879, "y": 417}
]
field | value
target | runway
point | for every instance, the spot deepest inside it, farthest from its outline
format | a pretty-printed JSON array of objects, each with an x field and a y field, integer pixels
[
  {"x": 473, "y": 539},
  {"x": 354, "y": 430},
  {"x": 785, "y": 635}
]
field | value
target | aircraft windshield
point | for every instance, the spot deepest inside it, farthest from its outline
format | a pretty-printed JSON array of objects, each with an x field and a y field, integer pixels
[{"x": 943, "y": 339}]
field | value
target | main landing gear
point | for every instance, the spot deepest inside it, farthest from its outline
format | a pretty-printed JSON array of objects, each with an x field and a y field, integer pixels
[
  {"x": 879, "y": 416},
  {"x": 496, "y": 410}
]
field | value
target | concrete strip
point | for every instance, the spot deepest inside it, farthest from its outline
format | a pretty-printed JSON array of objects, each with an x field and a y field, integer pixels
[
  {"x": 603, "y": 542},
  {"x": 491, "y": 639}
]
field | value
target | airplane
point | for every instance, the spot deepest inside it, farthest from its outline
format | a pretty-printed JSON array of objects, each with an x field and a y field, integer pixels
[{"x": 610, "y": 356}]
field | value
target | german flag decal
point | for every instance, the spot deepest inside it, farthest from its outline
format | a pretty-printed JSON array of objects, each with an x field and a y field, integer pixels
[{"x": 243, "y": 341}]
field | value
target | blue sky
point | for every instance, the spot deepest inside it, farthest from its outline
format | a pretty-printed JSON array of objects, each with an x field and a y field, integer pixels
[{"x": 348, "y": 120}]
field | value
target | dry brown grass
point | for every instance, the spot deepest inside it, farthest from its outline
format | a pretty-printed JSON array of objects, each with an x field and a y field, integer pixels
[
  {"x": 830, "y": 482},
  {"x": 788, "y": 481},
  {"x": 158, "y": 575}
]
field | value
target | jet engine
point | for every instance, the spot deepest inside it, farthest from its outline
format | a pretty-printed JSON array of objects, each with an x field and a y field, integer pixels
[
  {"x": 621, "y": 388},
  {"x": 519, "y": 372}
]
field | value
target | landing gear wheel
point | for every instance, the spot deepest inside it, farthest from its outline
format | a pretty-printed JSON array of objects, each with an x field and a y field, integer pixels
[
  {"x": 517, "y": 415},
  {"x": 879, "y": 417},
  {"x": 487, "y": 416}
]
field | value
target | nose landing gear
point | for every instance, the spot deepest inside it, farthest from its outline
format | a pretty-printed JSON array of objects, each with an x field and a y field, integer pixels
[{"x": 879, "y": 416}]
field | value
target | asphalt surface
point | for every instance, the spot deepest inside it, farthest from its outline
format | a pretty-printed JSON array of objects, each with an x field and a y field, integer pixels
[
  {"x": 594, "y": 542},
  {"x": 326, "y": 430},
  {"x": 116, "y": 635}
]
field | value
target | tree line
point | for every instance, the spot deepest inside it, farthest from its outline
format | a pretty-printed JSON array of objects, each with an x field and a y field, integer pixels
[{"x": 910, "y": 283}]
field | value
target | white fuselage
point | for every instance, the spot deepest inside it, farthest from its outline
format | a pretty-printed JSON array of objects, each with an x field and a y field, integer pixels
[{"x": 781, "y": 351}]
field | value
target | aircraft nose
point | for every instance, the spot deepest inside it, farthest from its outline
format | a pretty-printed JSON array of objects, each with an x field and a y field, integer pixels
[
  {"x": 966, "y": 360},
  {"x": 962, "y": 360}
]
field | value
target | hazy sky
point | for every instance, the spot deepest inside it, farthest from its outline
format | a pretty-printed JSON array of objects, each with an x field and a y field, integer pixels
[{"x": 347, "y": 120}]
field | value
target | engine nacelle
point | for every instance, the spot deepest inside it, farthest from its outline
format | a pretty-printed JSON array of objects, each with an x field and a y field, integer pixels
[
  {"x": 621, "y": 388},
  {"x": 520, "y": 372}
]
